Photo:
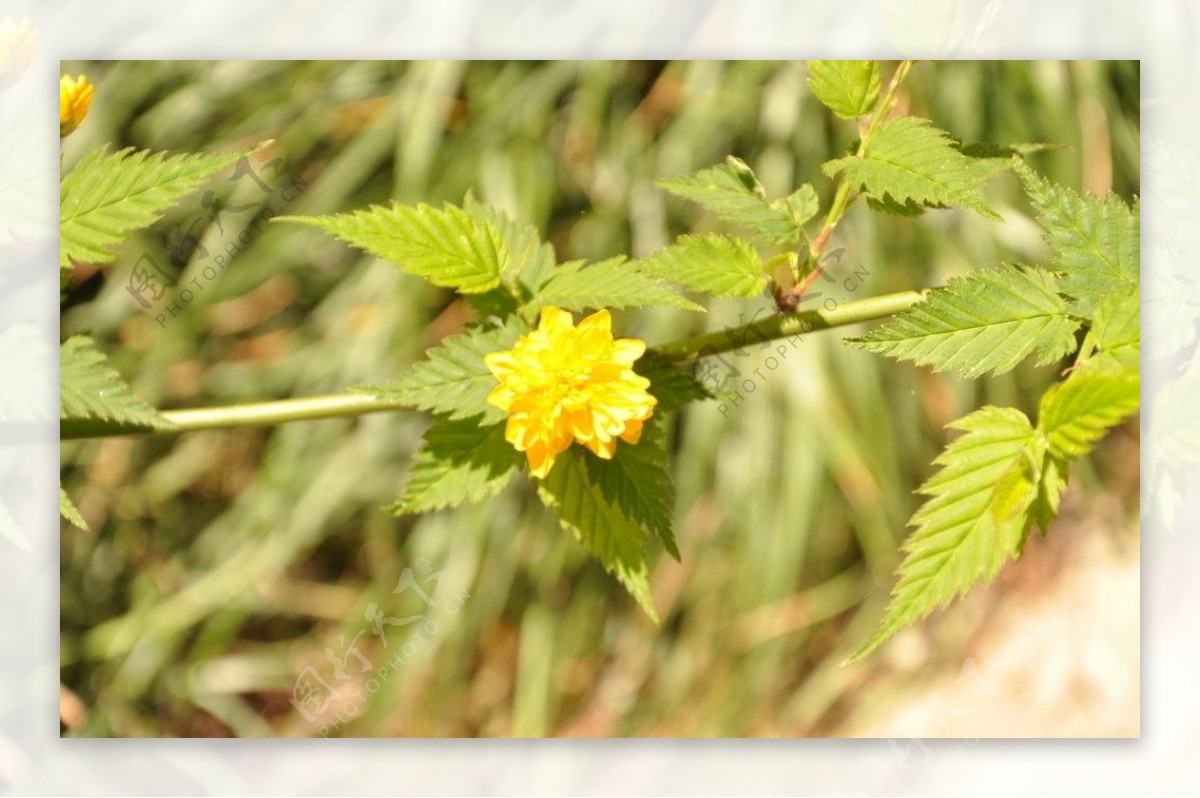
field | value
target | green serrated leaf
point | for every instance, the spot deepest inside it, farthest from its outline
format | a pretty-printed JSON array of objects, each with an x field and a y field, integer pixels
[
  {"x": 498, "y": 303},
  {"x": 1017, "y": 488},
  {"x": 1117, "y": 330},
  {"x": 530, "y": 261},
  {"x": 988, "y": 159},
  {"x": 985, "y": 161},
  {"x": 726, "y": 191},
  {"x": 462, "y": 461},
  {"x": 611, "y": 283},
  {"x": 69, "y": 511},
  {"x": 909, "y": 161},
  {"x": 1051, "y": 485},
  {"x": 722, "y": 266},
  {"x": 446, "y": 246},
  {"x": 1095, "y": 243},
  {"x": 848, "y": 88},
  {"x": 1005, "y": 152},
  {"x": 746, "y": 175},
  {"x": 802, "y": 204},
  {"x": 960, "y": 538},
  {"x": 888, "y": 205},
  {"x": 988, "y": 322},
  {"x": 636, "y": 481},
  {"x": 106, "y": 196},
  {"x": 453, "y": 380},
  {"x": 669, "y": 384},
  {"x": 93, "y": 395},
  {"x": 599, "y": 524},
  {"x": 1080, "y": 410}
]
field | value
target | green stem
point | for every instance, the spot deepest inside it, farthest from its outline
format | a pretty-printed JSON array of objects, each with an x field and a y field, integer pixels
[
  {"x": 787, "y": 325},
  {"x": 260, "y": 414},
  {"x": 337, "y": 405},
  {"x": 842, "y": 200}
]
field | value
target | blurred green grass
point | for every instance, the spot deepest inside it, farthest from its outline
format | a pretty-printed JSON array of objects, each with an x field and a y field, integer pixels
[{"x": 222, "y": 563}]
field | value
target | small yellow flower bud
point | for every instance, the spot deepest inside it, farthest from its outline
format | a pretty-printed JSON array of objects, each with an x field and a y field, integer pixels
[{"x": 74, "y": 98}]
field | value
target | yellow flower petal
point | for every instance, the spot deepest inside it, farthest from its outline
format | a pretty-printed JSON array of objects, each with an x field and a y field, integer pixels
[
  {"x": 501, "y": 397},
  {"x": 555, "y": 323},
  {"x": 74, "y": 99},
  {"x": 540, "y": 460},
  {"x": 599, "y": 324},
  {"x": 627, "y": 350},
  {"x": 632, "y": 433},
  {"x": 603, "y": 449}
]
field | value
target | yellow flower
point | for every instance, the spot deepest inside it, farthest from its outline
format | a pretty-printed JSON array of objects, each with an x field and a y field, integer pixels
[
  {"x": 563, "y": 383},
  {"x": 74, "y": 97}
]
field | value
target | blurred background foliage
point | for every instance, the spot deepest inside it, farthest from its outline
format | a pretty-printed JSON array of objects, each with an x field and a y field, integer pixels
[{"x": 221, "y": 564}]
